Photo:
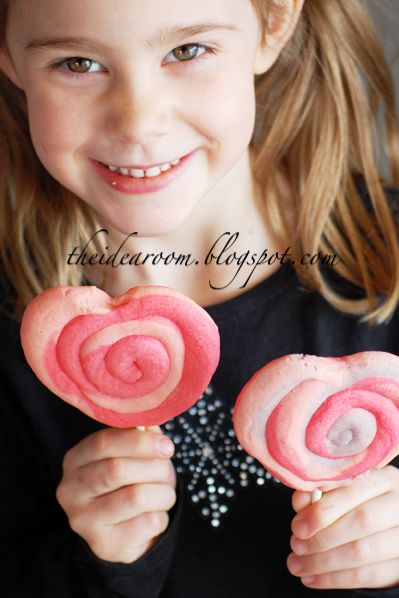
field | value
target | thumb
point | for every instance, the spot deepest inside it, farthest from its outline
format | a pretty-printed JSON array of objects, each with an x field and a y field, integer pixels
[{"x": 301, "y": 500}]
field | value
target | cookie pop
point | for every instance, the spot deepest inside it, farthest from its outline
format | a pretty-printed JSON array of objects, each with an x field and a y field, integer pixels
[
  {"x": 317, "y": 422},
  {"x": 137, "y": 359}
]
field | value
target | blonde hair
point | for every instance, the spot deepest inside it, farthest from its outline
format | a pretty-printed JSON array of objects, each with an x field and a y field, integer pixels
[{"x": 316, "y": 123}]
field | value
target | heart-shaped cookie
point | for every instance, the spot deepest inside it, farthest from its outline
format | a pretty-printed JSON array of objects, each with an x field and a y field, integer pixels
[
  {"x": 137, "y": 359},
  {"x": 317, "y": 422}
]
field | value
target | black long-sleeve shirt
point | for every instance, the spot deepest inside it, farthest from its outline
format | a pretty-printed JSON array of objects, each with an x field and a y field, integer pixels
[{"x": 229, "y": 531}]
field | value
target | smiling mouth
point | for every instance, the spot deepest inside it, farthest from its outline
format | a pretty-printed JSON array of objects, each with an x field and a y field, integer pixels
[
  {"x": 138, "y": 181},
  {"x": 139, "y": 173}
]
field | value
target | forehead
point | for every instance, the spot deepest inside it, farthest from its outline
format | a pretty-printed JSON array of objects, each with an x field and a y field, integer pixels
[{"x": 119, "y": 16}]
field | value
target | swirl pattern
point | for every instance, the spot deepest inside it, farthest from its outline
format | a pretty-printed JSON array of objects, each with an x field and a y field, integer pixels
[
  {"x": 317, "y": 422},
  {"x": 136, "y": 359}
]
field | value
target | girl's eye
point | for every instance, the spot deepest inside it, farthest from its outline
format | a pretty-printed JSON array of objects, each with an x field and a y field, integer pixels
[
  {"x": 188, "y": 52},
  {"x": 78, "y": 65}
]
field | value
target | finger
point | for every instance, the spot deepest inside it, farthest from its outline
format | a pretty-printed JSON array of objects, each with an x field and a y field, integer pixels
[
  {"x": 132, "y": 501},
  {"x": 146, "y": 527},
  {"x": 379, "y": 575},
  {"x": 301, "y": 500},
  {"x": 102, "y": 477},
  {"x": 336, "y": 503},
  {"x": 114, "y": 442},
  {"x": 173, "y": 475},
  {"x": 383, "y": 546},
  {"x": 368, "y": 518},
  {"x": 136, "y": 535}
]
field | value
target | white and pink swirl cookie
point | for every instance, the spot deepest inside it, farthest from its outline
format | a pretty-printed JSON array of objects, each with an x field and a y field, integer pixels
[
  {"x": 317, "y": 422},
  {"x": 137, "y": 359}
]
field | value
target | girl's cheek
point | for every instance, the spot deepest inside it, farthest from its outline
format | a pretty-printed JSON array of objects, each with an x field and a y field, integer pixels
[
  {"x": 56, "y": 123},
  {"x": 235, "y": 116}
]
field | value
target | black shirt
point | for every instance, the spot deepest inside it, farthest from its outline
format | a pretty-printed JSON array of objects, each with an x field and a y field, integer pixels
[{"x": 229, "y": 531}]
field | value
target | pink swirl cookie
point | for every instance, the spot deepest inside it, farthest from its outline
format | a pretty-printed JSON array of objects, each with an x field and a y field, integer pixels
[
  {"x": 317, "y": 422},
  {"x": 133, "y": 360}
]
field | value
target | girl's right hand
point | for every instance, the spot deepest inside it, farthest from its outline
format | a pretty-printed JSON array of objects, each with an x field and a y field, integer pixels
[{"x": 116, "y": 489}]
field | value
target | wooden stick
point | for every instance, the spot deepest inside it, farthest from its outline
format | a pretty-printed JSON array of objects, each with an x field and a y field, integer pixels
[{"x": 316, "y": 495}]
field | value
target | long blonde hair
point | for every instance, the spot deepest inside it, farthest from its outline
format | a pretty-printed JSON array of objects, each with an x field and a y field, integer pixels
[{"x": 316, "y": 123}]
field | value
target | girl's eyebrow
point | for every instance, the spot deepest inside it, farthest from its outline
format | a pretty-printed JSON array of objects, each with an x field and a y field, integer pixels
[{"x": 167, "y": 36}]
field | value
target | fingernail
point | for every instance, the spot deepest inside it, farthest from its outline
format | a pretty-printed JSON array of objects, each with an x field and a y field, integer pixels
[
  {"x": 308, "y": 580},
  {"x": 300, "y": 528},
  {"x": 294, "y": 564},
  {"x": 165, "y": 446},
  {"x": 298, "y": 546}
]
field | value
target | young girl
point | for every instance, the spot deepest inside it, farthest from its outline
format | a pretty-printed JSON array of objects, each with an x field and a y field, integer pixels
[{"x": 216, "y": 130}]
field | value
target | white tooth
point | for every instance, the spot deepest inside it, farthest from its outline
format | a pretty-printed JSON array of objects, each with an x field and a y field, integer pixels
[
  {"x": 137, "y": 173},
  {"x": 153, "y": 171},
  {"x": 175, "y": 162},
  {"x": 113, "y": 168},
  {"x": 124, "y": 171},
  {"x": 165, "y": 167}
]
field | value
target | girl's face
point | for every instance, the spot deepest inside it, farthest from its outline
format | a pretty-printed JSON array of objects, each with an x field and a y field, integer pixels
[{"x": 138, "y": 84}]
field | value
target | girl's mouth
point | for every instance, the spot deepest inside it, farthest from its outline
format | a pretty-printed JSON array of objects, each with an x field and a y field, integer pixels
[
  {"x": 136, "y": 180},
  {"x": 139, "y": 173}
]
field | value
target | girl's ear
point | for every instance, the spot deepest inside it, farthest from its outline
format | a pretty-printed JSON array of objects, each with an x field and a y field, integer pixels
[
  {"x": 6, "y": 65},
  {"x": 279, "y": 28}
]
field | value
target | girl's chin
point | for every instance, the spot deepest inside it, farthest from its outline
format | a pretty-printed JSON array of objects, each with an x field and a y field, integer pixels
[{"x": 137, "y": 228}]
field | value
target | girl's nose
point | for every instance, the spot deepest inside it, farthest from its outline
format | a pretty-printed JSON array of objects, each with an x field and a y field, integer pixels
[{"x": 137, "y": 115}]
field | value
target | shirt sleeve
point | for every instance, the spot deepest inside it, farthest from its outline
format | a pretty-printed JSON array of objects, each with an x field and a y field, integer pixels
[
  {"x": 378, "y": 593},
  {"x": 59, "y": 564}
]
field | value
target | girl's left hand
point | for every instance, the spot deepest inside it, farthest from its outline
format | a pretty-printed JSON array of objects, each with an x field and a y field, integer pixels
[{"x": 350, "y": 538}]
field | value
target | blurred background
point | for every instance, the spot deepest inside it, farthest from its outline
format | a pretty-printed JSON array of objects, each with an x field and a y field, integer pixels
[
  {"x": 386, "y": 17},
  {"x": 385, "y": 14}
]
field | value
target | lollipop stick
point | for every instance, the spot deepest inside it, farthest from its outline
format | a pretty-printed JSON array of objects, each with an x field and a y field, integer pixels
[
  {"x": 316, "y": 495},
  {"x": 142, "y": 428}
]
